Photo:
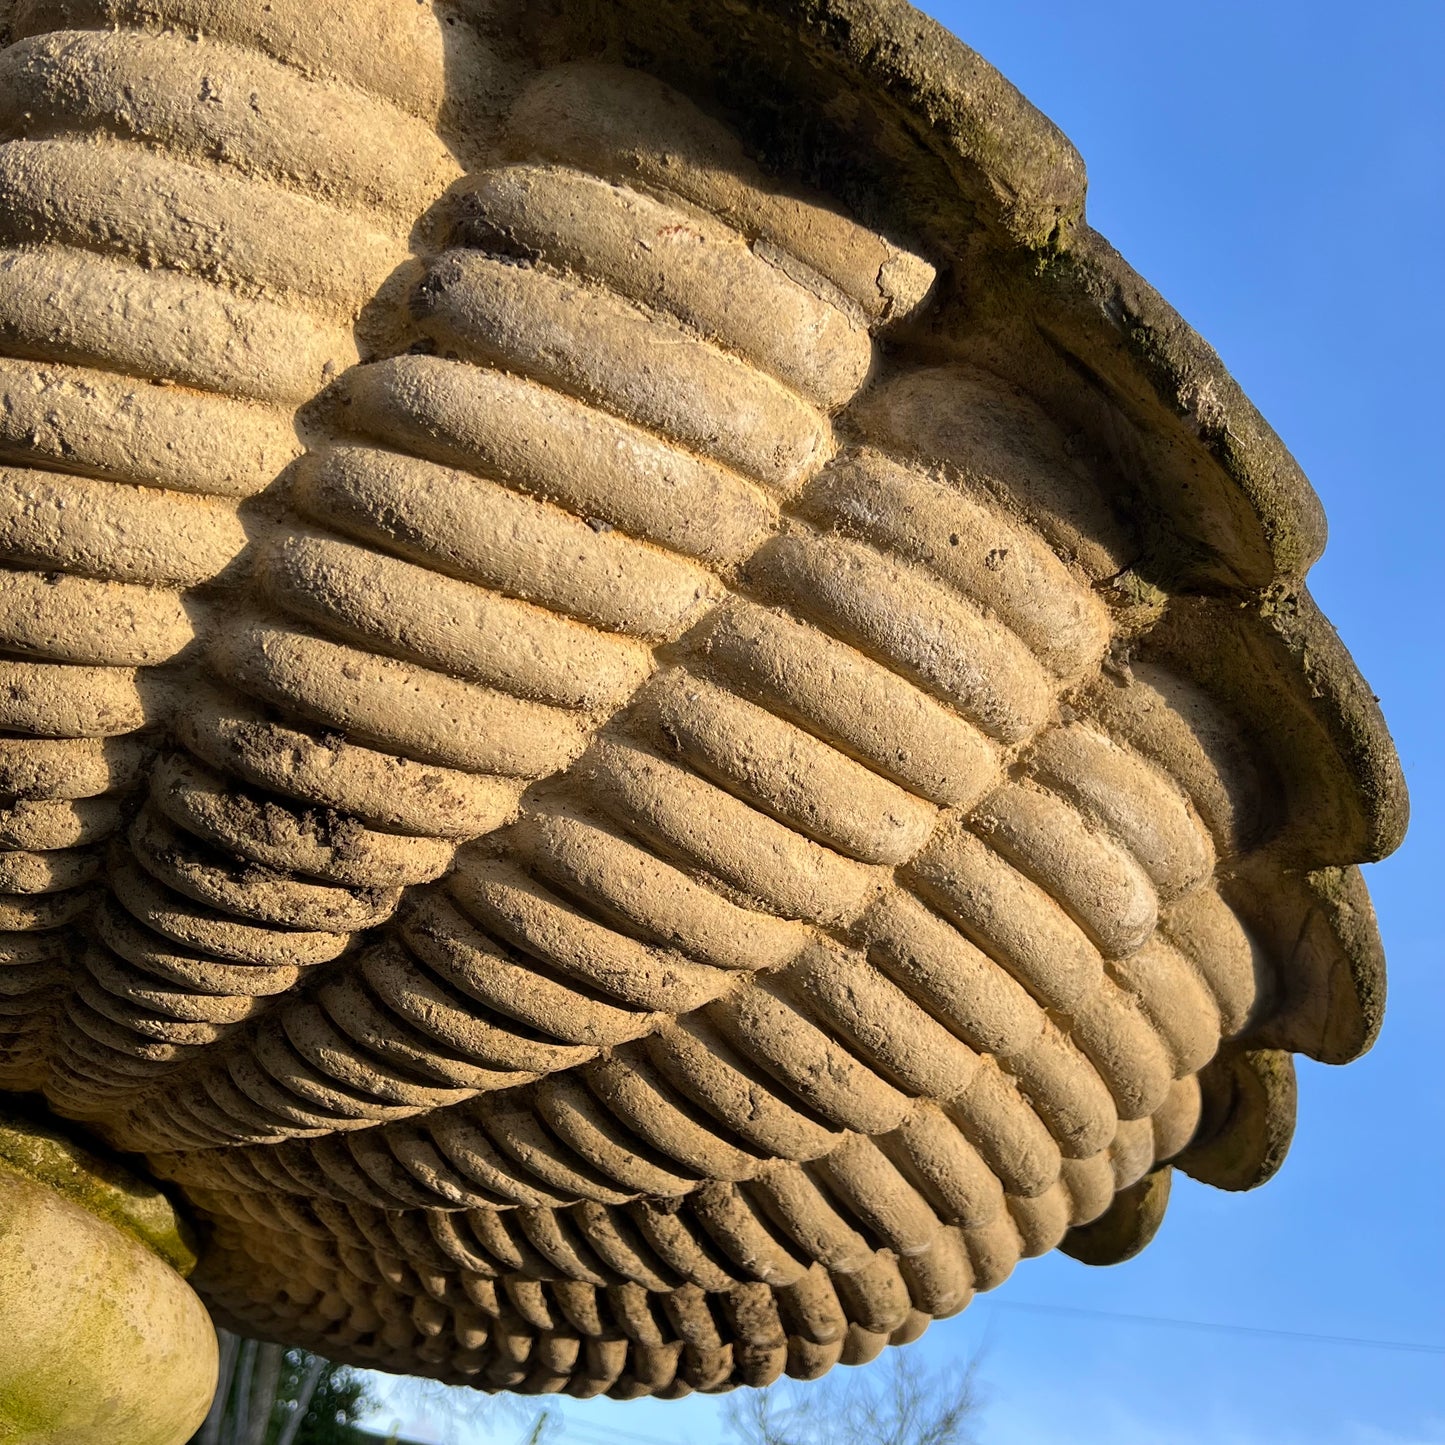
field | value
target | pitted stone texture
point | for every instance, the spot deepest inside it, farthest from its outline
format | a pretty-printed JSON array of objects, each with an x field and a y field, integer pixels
[
  {"x": 104, "y": 1339},
  {"x": 615, "y": 818}
]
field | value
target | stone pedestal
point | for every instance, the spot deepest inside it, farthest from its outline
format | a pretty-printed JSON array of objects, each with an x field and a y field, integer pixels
[{"x": 103, "y": 1340}]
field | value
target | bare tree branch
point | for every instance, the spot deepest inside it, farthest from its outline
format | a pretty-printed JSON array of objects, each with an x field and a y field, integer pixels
[
  {"x": 241, "y": 1408},
  {"x": 265, "y": 1379},
  {"x": 210, "y": 1433},
  {"x": 902, "y": 1403}
]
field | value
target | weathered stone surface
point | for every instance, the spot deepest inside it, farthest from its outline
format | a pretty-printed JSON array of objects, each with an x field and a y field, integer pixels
[
  {"x": 103, "y": 1339},
  {"x": 654, "y": 716}
]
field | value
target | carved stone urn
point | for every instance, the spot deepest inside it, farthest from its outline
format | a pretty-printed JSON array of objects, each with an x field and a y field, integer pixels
[{"x": 654, "y": 716}]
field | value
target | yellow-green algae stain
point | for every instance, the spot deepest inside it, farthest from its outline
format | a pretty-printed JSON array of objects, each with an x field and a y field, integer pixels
[{"x": 100, "y": 1187}]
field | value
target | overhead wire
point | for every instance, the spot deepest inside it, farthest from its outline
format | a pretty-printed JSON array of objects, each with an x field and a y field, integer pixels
[
  {"x": 1221, "y": 1327},
  {"x": 572, "y": 1427},
  {"x": 588, "y": 1432}
]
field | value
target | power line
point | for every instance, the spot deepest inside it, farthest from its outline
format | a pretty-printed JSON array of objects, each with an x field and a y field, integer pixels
[
  {"x": 1404, "y": 1346},
  {"x": 571, "y": 1425},
  {"x": 603, "y": 1435}
]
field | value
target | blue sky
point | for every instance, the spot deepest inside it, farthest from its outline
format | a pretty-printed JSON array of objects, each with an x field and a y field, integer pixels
[{"x": 1277, "y": 170}]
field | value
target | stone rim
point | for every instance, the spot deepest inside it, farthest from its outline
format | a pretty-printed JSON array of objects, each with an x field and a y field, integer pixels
[{"x": 1018, "y": 211}]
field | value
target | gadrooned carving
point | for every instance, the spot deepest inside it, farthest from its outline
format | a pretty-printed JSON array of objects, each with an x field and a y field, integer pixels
[{"x": 611, "y": 797}]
